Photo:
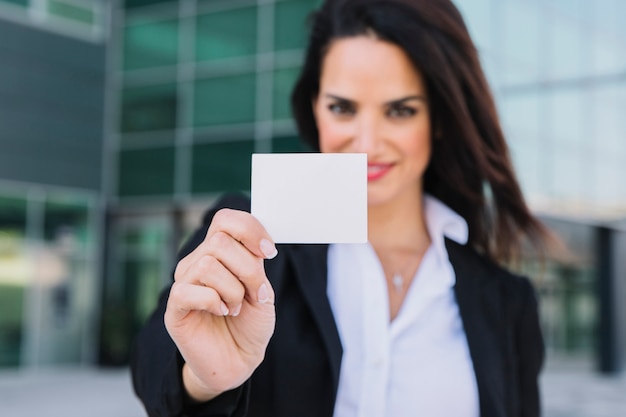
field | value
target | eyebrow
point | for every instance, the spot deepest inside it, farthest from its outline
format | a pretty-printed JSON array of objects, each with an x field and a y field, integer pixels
[{"x": 388, "y": 103}]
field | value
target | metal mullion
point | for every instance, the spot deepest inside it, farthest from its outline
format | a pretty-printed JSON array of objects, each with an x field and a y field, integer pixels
[
  {"x": 113, "y": 106},
  {"x": 185, "y": 92},
  {"x": 264, "y": 77}
]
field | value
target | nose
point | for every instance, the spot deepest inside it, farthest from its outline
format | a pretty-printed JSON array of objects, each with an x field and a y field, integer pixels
[{"x": 366, "y": 134}]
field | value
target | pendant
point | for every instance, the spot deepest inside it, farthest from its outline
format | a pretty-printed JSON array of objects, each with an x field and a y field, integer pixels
[{"x": 398, "y": 282}]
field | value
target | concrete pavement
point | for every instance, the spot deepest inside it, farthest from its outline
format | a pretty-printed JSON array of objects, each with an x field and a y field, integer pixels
[{"x": 568, "y": 391}]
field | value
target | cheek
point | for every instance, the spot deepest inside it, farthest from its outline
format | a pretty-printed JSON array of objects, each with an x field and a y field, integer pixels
[
  {"x": 417, "y": 145},
  {"x": 333, "y": 136}
]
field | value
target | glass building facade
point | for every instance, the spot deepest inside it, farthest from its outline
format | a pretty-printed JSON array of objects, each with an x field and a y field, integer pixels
[
  {"x": 194, "y": 87},
  {"x": 203, "y": 84},
  {"x": 51, "y": 205}
]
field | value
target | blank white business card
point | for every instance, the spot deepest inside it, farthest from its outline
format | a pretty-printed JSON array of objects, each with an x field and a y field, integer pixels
[{"x": 311, "y": 197}]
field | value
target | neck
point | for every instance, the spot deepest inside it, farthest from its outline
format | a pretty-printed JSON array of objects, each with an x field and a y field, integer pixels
[{"x": 398, "y": 225}]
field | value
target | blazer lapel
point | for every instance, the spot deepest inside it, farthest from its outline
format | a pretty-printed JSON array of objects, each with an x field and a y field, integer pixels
[
  {"x": 479, "y": 301},
  {"x": 310, "y": 265}
]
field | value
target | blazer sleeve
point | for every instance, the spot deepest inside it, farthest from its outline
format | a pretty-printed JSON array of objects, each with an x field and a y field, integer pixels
[
  {"x": 156, "y": 364},
  {"x": 530, "y": 352}
]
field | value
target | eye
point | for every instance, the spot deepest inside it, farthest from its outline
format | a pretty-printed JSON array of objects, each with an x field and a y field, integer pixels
[
  {"x": 341, "y": 108},
  {"x": 401, "y": 111}
]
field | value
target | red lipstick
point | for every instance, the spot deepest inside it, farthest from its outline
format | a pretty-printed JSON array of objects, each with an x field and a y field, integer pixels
[{"x": 376, "y": 171}]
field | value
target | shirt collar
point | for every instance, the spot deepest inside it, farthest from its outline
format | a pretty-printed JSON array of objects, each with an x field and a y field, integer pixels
[{"x": 442, "y": 222}]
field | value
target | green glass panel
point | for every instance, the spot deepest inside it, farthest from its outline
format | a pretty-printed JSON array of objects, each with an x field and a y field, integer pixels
[
  {"x": 284, "y": 80},
  {"x": 150, "y": 44},
  {"x": 66, "y": 223},
  {"x": 24, "y": 3},
  {"x": 146, "y": 172},
  {"x": 129, "y": 4},
  {"x": 226, "y": 34},
  {"x": 222, "y": 166},
  {"x": 149, "y": 108},
  {"x": 225, "y": 100},
  {"x": 71, "y": 11},
  {"x": 289, "y": 144},
  {"x": 148, "y": 241},
  {"x": 291, "y": 28},
  {"x": 14, "y": 278}
]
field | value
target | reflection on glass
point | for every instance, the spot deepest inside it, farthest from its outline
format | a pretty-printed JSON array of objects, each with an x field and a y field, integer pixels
[
  {"x": 226, "y": 34},
  {"x": 139, "y": 3},
  {"x": 566, "y": 60},
  {"x": 149, "y": 108},
  {"x": 65, "y": 281},
  {"x": 146, "y": 172},
  {"x": 569, "y": 118},
  {"x": 290, "y": 32},
  {"x": 221, "y": 167},
  {"x": 284, "y": 80},
  {"x": 522, "y": 42},
  {"x": 14, "y": 279},
  {"x": 150, "y": 44},
  {"x": 478, "y": 17},
  {"x": 289, "y": 144},
  {"x": 72, "y": 11},
  {"x": 225, "y": 100},
  {"x": 23, "y": 3},
  {"x": 138, "y": 275}
]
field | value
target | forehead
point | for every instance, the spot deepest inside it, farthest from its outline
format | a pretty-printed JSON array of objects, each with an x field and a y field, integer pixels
[{"x": 367, "y": 66}]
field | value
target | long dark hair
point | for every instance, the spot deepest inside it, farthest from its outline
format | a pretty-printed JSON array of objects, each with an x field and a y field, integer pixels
[{"x": 470, "y": 169}]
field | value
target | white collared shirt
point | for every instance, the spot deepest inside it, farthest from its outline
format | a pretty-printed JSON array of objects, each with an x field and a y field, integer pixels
[{"x": 419, "y": 363}]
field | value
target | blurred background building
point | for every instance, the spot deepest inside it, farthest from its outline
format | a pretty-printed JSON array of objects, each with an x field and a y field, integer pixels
[{"x": 121, "y": 121}]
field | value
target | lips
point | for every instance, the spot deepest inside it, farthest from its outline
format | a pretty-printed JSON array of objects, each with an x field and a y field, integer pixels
[{"x": 376, "y": 171}]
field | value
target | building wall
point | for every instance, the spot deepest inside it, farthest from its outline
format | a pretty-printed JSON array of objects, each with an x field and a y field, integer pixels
[
  {"x": 52, "y": 57},
  {"x": 201, "y": 85},
  {"x": 51, "y": 108}
]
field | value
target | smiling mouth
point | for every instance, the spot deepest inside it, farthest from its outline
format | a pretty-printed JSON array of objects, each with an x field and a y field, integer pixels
[{"x": 376, "y": 171}]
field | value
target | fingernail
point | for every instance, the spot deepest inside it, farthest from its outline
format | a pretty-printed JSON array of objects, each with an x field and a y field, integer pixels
[
  {"x": 237, "y": 310},
  {"x": 268, "y": 249},
  {"x": 224, "y": 309},
  {"x": 263, "y": 294}
]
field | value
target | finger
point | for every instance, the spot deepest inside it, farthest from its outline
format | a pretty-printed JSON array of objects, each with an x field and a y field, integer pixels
[
  {"x": 185, "y": 298},
  {"x": 241, "y": 263},
  {"x": 210, "y": 272},
  {"x": 244, "y": 228}
]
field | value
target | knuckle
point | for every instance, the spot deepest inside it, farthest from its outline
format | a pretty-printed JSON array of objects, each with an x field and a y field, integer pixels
[
  {"x": 254, "y": 272},
  {"x": 208, "y": 264},
  {"x": 175, "y": 292},
  {"x": 223, "y": 216},
  {"x": 219, "y": 240}
]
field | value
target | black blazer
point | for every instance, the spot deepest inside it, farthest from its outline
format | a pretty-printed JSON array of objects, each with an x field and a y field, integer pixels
[{"x": 300, "y": 373}]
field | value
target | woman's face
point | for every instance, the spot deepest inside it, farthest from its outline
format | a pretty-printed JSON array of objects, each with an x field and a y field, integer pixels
[{"x": 372, "y": 100}]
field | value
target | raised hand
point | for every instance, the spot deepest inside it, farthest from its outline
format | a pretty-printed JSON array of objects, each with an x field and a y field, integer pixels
[{"x": 220, "y": 311}]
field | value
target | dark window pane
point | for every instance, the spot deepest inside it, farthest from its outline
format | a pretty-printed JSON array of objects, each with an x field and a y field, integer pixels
[
  {"x": 222, "y": 166},
  {"x": 225, "y": 100},
  {"x": 14, "y": 278},
  {"x": 289, "y": 144},
  {"x": 149, "y": 108},
  {"x": 291, "y": 29},
  {"x": 150, "y": 44},
  {"x": 146, "y": 172},
  {"x": 226, "y": 34},
  {"x": 138, "y": 3},
  {"x": 284, "y": 81},
  {"x": 71, "y": 11},
  {"x": 17, "y": 2}
]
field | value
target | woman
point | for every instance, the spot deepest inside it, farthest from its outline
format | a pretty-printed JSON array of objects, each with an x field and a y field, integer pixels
[{"x": 419, "y": 321}]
